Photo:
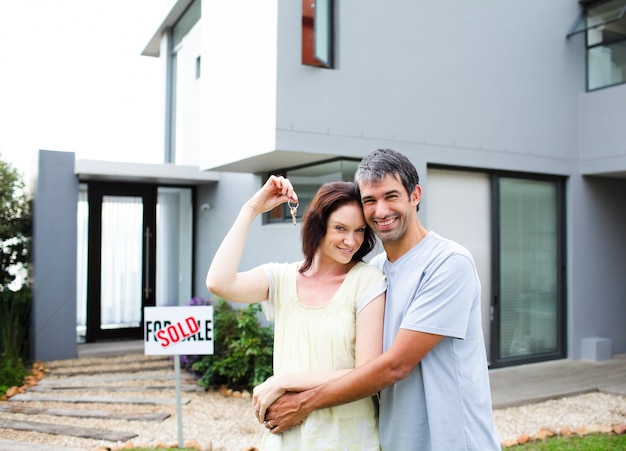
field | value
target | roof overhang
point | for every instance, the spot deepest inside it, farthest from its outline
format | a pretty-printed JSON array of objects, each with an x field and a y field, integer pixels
[
  {"x": 172, "y": 12},
  {"x": 162, "y": 174},
  {"x": 272, "y": 161}
]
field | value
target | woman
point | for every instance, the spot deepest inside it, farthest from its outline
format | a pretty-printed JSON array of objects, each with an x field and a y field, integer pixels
[{"x": 328, "y": 310}]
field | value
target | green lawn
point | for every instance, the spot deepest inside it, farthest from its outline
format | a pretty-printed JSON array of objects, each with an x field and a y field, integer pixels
[{"x": 592, "y": 442}]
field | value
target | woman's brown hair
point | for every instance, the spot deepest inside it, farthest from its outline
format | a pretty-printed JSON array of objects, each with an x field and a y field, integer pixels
[{"x": 329, "y": 198}]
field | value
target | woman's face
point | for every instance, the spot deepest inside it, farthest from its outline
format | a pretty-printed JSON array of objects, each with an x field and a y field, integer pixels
[{"x": 345, "y": 232}]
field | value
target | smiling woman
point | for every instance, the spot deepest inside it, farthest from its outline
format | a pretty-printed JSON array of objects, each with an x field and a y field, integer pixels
[{"x": 327, "y": 309}]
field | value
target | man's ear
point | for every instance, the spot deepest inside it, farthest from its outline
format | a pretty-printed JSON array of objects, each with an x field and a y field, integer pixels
[{"x": 416, "y": 195}]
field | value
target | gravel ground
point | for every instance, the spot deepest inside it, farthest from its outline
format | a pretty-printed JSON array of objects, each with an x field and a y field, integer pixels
[{"x": 215, "y": 421}]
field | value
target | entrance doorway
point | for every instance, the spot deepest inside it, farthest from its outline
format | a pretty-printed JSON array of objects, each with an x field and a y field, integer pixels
[
  {"x": 121, "y": 259},
  {"x": 135, "y": 249}
]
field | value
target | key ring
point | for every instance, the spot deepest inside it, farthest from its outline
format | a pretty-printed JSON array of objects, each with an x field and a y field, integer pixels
[{"x": 293, "y": 206}]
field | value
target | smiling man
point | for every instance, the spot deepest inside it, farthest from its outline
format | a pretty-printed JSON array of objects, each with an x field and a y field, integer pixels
[{"x": 433, "y": 376}]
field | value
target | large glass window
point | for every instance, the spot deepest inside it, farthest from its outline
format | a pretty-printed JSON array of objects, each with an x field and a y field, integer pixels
[
  {"x": 530, "y": 283},
  {"x": 307, "y": 179},
  {"x": 604, "y": 23},
  {"x": 174, "y": 246},
  {"x": 513, "y": 227}
]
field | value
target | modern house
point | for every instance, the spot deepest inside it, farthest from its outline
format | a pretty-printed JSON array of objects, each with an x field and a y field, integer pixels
[{"x": 512, "y": 112}]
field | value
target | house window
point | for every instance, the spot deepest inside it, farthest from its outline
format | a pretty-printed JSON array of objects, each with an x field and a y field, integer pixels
[
  {"x": 317, "y": 33},
  {"x": 515, "y": 229},
  {"x": 604, "y": 23},
  {"x": 306, "y": 181}
]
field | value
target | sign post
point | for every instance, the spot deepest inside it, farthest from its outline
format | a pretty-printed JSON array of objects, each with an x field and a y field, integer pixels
[{"x": 178, "y": 331}]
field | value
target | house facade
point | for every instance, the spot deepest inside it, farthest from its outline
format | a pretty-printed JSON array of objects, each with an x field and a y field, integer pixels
[{"x": 512, "y": 113}]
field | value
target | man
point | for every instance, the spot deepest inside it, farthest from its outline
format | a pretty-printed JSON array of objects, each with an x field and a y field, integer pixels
[{"x": 432, "y": 378}]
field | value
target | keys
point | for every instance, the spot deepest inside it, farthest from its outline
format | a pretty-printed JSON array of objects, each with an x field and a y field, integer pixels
[{"x": 293, "y": 209}]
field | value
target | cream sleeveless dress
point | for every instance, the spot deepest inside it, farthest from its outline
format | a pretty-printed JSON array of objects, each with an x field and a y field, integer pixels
[{"x": 322, "y": 338}]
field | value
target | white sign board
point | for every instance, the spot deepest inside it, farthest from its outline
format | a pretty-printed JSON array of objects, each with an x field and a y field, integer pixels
[{"x": 178, "y": 330}]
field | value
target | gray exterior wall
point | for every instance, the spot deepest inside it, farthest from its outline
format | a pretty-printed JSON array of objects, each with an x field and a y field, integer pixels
[
  {"x": 489, "y": 84},
  {"x": 53, "y": 323},
  {"x": 596, "y": 249},
  {"x": 274, "y": 242},
  {"x": 602, "y": 131}
]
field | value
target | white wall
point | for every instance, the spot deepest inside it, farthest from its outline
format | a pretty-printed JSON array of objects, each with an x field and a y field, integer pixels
[{"x": 238, "y": 79}]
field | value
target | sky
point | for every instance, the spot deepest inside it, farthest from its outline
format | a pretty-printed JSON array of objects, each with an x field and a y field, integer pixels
[{"x": 72, "y": 78}]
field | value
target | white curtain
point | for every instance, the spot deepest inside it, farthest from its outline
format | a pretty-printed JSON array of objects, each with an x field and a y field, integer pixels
[{"x": 122, "y": 244}]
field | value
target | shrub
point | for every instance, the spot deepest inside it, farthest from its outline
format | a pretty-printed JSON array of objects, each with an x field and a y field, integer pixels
[
  {"x": 15, "y": 225},
  {"x": 14, "y": 344},
  {"x": 243, "y": 349},
  {"x": 15, "y": 307},
  {"x": 12, "y": 373}
]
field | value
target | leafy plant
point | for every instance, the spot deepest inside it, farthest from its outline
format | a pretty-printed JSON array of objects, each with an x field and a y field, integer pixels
[
  {"x": 15, "y": 307},
  {"x": 243, "y": 349},
  {"x": 12, "y": 373},
  {"x": 15, "y": 224}
]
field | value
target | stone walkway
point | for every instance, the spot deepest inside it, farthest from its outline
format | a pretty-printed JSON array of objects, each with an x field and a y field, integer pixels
[{"x": 526, "y": 384}]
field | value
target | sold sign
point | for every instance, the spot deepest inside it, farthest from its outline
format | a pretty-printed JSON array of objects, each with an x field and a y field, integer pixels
[{"x": 178, "y": 330}]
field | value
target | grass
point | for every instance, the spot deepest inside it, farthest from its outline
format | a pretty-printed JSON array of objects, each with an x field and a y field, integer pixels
[{"x": 592, "y": 442}]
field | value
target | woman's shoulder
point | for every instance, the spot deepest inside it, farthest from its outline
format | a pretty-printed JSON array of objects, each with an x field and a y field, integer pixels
[
  {"x": 281, "y": 268},
  {"x": 363, "y": 269}
]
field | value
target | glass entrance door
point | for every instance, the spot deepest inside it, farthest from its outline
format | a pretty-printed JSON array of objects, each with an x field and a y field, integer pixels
[
  {"x": 121, "y": 259},
  {"x": 530, "y": 266}
]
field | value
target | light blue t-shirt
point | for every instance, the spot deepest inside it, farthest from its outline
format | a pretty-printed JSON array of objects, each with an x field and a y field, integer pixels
[{"x": 445, "y": 402}]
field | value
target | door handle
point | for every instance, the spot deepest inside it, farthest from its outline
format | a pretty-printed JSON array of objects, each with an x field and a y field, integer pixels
[{"x": 146, "y": 289}]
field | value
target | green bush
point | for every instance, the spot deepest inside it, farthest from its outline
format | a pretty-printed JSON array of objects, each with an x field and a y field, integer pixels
[
  {"x": 14, "y": 329},
  {"x": 15, "y": 225},
  {"x": 15, "y": 241},
  {"x": 15, "y": 309},
  {"x": 243, "y": 349},
  {"x": 12, "y": 373}
]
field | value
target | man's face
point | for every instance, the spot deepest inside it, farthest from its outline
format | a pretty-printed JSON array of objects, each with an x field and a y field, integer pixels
[{"x": 388, "y": 209}]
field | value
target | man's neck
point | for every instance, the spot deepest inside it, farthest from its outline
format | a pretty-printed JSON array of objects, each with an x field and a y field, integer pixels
[{"x": 410, "y": 239}]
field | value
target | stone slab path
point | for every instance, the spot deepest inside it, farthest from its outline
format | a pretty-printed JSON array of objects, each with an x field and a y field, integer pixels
[{"x": 71, "y": 388}]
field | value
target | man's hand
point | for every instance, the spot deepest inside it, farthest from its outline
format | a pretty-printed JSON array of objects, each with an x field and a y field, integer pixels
[{"x": 286, "y": 412}]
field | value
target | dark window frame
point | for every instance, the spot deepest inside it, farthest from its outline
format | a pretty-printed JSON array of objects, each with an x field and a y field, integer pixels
[
  {"x": 318, "y": 36},
  {"x": 581, "y": 25},
  {"x": 281, "y": 214}
]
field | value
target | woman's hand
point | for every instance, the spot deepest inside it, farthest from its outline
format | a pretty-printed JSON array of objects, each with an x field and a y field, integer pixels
[
  {"x": 264, "y": 395},
  {"x": 276, "y": 190}
]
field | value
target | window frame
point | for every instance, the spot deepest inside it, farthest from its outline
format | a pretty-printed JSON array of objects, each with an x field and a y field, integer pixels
[
  {"x": 497, "y": 360},
  {"x": 306, "y": 191},
  {"x": 581, "y": 25},
  {"x": 318, "y": 36}
]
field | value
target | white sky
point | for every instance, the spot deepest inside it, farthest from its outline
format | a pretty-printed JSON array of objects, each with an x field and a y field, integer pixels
[{"x": 72, "y": 78}]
